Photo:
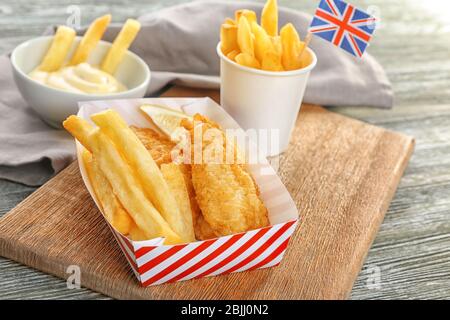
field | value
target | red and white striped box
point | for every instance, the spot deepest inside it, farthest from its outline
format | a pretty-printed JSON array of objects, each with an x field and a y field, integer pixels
[{"x": 153, "y": 262}]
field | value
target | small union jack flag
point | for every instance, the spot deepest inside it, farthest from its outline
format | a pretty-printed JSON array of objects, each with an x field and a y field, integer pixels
[{"x": 343, "y": 25}]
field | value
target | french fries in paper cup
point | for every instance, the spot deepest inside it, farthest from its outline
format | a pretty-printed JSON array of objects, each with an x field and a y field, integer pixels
[
  {"x": 263, "y": 80},
  {"x": 155, "y": 260}
]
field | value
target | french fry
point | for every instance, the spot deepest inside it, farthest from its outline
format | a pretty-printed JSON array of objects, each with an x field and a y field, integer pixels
[
  {"x": 305, "y": 58},
  {"x": 262, "y": 41},
  {"x": 122, "y": 178},
  {"x": 175, "y": 180},
  {"x": 272, "y": 58},
  {"x": 247, "y": 60},
  {"x": 90, "y": 39},
  {"x": 81, "y": 130},
  {"x": 277, "y": 46},
  {"x": 113, "y": 210},
  {"x": 137, "y": 234},
  {"x": 271, "y": 61},
  {"x": 232, "y": 55},
  {"x": 56, "y": 54},
  {"x": 145, "y": 169},
  {"x": 187, "y": 174},
  {"x": 120, "y": 46},
  {"x": 291, "y": 45},
  {"x": 230, "y": 22},
  {"x": 228, "y": 38},
  {"x": 245, "y": 37},
  {"x": 269, "y": 18},
  {"x": 249, "y": 14}
]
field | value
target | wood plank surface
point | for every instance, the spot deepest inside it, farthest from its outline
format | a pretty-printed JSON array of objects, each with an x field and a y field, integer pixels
[{"x": 341, "y": 172}]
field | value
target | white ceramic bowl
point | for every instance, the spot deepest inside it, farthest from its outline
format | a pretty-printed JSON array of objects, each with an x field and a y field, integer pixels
[{"x": 54, "y": 105}]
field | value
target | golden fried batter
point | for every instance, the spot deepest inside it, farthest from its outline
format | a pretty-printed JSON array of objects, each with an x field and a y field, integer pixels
[
  {"x": 158, "y": 145},
  {"x": 226, "y": 193},
  {"x": 203, "y": 230}
]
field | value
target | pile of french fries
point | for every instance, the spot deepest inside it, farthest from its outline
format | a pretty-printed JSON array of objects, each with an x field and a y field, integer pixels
[
  {"x": 252, "y": 45},
  {"x": 139, "y": 199},
  {"x": 56, "y": 56}
]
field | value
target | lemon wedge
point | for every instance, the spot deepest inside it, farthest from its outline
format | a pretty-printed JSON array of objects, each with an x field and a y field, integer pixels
[{"x": 166, "y": 119}]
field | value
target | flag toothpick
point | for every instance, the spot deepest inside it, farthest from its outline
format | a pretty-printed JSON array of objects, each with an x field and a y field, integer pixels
[
  {"x": 307, "y": 41},
  {"x": 344, "y": 25}
]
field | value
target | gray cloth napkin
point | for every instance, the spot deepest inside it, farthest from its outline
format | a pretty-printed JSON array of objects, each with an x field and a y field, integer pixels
[{"x": 179, "y": 45}]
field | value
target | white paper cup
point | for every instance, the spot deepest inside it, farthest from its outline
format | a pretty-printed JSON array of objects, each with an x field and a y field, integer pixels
[{"x": 265, "y": 101}]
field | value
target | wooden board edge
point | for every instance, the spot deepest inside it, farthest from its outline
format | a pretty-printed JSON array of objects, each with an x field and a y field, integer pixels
[{"x": 384, "y": 207}]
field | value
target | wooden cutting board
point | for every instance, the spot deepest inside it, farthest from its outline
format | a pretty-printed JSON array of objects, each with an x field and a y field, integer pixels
[{"x": 341, "y": 172}]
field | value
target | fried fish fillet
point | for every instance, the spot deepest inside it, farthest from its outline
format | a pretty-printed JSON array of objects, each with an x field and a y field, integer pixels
[
  {"x": 203, "y": 229},
  {"x": 159, "y": 146},
  {"x": 226, "y": 192}
]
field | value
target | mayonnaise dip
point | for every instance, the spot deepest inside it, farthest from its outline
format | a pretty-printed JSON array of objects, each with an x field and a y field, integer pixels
[{"x": 82, "y": 78}]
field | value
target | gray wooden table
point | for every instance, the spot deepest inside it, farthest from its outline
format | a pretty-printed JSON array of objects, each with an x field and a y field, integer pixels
[{"x": 410, "y": 258}]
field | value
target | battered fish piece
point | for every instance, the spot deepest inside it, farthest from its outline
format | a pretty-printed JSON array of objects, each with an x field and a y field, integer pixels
[
  {"x": 158, "y": 145},
  {"x": 203, "y": 230},
  {"x": 226, "y": 193}
]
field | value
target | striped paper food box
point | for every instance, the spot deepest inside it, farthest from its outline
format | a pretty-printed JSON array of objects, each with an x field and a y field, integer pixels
[{"x": 153, "y": 262}]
